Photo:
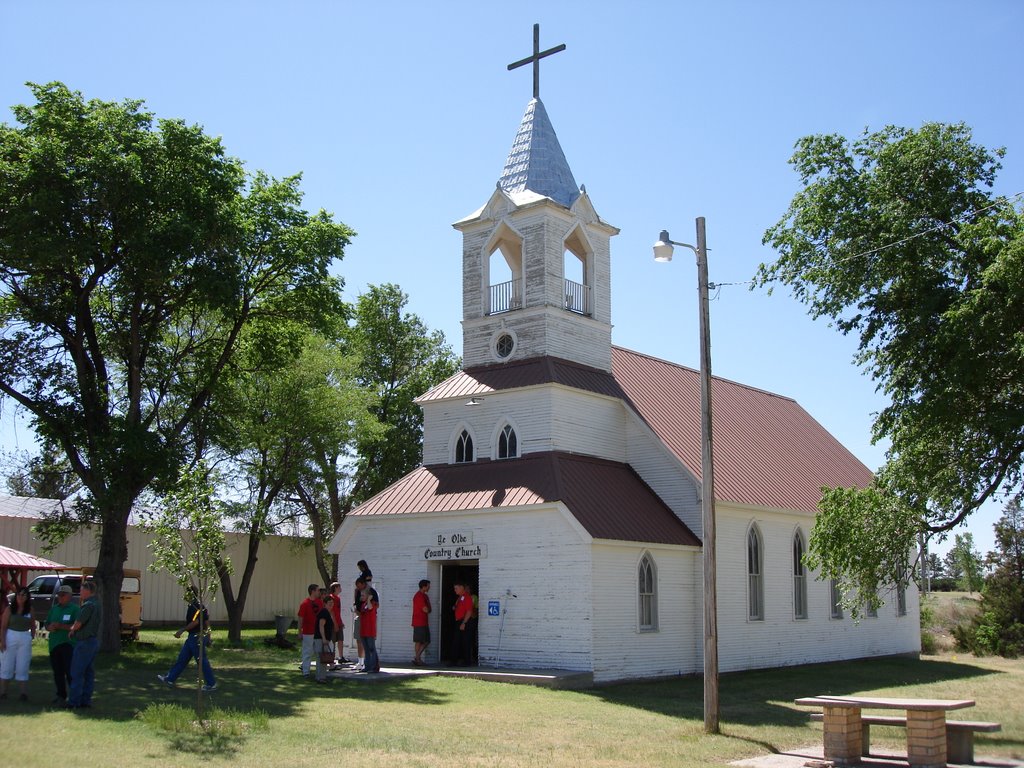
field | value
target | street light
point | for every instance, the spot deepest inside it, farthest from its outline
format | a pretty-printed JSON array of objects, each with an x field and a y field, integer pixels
[{"x": 663, "y": 252}]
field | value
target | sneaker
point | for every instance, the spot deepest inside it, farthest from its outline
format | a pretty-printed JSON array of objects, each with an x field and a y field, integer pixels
[
  {"x": 208, "y": 688},
  {"x": 163, "y": 679},
  {"x": 23, "y": 697}
]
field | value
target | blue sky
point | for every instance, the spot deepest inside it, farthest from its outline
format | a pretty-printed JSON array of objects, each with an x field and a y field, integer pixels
[{"x": 400, "y": 115}]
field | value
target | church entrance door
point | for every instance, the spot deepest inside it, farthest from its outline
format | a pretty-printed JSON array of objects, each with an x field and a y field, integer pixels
[{"x": 467, "y": 571}]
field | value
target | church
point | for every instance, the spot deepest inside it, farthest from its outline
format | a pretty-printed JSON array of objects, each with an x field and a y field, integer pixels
[{"x": 561, "y": 475}]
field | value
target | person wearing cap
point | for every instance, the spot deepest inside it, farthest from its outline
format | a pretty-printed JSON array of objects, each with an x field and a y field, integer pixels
[
  {"x": 85, "y": 633},
  {"x": 196, "y": 629},
  {"x": 62, "y": 616}
]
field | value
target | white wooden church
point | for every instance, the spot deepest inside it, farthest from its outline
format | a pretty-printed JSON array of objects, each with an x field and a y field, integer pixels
[{"x": 561, "y": 475}]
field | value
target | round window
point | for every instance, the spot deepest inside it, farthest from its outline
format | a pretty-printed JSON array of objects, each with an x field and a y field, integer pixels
[{"x": 504, "y": 345}]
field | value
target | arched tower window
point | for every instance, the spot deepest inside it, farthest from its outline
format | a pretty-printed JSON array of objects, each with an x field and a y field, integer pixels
[
  {"x": 755, "y": 575},
  {"x": 577, "y": 271},
  {"x": 508, "y": 443},
  {"x": 799, "y": 577},
  {"x": 505, "y": 272},
  {"x": 647, "y": 594},
  {"x": 464, "y": 448}
]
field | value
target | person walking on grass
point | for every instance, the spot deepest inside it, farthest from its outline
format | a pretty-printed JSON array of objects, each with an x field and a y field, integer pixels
[
  {"x": 421, "y": 622},
  {"x": 85, "y": 633},
  {"x": 59, "y": 620},
  {"x": 17, "y": 631},
  {"x": 197, "y": 624}
]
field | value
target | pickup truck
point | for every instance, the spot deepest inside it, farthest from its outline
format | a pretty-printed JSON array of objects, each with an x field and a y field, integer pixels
[{"x": 43, "y": 588}]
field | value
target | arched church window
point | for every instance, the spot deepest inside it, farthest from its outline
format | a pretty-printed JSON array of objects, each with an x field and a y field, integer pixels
[
  {"x": 508, "y": 444},
  {"x": 464, "y": 448},
  {"x": 799, "y": 577},
  {"x": 647, "y": 594},
  {"x": 755, "y": 575}
]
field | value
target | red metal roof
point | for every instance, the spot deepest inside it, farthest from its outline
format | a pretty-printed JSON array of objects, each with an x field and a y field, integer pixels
[
  {"x": 768, "y": 451},
  {"x": 525, "y": 373},
  {"x": 608, "y": 499},
  {"x": 15, "y": 558}
]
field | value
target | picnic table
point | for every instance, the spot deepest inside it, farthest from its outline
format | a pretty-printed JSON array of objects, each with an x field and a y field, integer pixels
[{"x": 925, "y": 722}]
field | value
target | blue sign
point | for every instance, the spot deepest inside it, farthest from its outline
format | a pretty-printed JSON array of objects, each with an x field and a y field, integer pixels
[{"x": 493, "y": 607}]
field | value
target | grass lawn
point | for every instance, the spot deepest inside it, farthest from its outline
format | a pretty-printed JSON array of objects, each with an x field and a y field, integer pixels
[{"x": 446, "y": 722}]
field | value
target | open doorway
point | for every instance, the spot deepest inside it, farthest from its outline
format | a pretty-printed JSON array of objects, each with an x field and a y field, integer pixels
[{"x": 468, "y": 572}]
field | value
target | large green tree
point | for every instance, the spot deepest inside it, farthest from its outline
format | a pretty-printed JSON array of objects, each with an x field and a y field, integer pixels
[
  {"x": 399, "y": 359},
  {"x": 133, "y": 253},
  {"x": 276, "y": 413},
  {"x": 897, "y": 238}
]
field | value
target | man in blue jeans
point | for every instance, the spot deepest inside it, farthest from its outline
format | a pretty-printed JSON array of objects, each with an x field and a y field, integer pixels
[
  {"x": 86, "y": 634},
  {"x": 196, "y": 622}
]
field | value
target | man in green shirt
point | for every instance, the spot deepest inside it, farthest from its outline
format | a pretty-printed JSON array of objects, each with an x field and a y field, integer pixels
[
  {"x": 63, "y": 614},
  {"x": 85, "y": 632}
]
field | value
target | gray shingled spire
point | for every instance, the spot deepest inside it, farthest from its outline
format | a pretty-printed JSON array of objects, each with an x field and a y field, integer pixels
[{"x": 536, "y": 161}]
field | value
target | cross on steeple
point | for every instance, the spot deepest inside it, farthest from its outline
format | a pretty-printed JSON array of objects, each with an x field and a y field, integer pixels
[{"x": 538, "y": 54}]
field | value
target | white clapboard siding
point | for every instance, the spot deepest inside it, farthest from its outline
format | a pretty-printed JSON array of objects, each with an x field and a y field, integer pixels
[
  {"x": 286, "y": 566},
  {"x": 546, "y": 418},
  {"x": 663, "y": 472},
  {"x": 539, "y": 555},
  {"x": 621, "y": 650},
  {"x": 780, "y": 639}
]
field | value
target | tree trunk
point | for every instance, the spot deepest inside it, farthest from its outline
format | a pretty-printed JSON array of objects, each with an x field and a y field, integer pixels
[
  {"x": 110, "y": 574},
  {"x": 235, "y": 604}
]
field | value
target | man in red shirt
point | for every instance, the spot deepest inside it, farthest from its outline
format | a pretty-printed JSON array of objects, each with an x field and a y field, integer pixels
[
  {"x": 463, "y": 613},
  {"x": 368, "y": 628},
  {"x": 339, "y": 625},
  {"x": 308, "y": 609},
  {"x": 421, "y": 621}
]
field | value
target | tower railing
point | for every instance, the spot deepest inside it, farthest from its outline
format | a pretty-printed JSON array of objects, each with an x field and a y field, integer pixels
[
  {"x": 577, "y": 297},
  {"x": 506, "y": 296}
]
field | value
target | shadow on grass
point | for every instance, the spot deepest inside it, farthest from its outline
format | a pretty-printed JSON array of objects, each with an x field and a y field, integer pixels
[
  {"x": 765, "y": 697},
  {"x": 248, "y": 680}
]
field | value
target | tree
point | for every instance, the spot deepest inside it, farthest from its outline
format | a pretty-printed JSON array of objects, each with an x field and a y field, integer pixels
[
  {"x": 897, "y": 238},
  {"x": 45, "y": 475},
  {"x": 277, "y": 412},
  {"x": 132, "y": 256},
  {"x": 998, "y": 627},
  {"x": 400, "y": 359},
  {"x": 187, "y": 542},
  {"x": 968, "y": 563}
]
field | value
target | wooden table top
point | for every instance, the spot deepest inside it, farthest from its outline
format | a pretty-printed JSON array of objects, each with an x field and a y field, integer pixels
[{"x": 878, "y": 702}]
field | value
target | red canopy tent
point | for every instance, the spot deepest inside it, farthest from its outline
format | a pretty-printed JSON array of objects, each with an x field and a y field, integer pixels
[{"x": 15, "y": 565}]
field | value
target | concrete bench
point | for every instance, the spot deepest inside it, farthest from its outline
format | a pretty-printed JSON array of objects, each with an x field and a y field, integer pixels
[{"x": 959, "y": 734}]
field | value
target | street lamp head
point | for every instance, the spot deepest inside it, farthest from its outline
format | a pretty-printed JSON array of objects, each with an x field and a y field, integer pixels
[{"x": 663, "y": 248}]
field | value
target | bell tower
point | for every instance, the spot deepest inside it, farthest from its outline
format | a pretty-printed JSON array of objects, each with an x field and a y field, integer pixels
[{"x": 536, "y": 261}]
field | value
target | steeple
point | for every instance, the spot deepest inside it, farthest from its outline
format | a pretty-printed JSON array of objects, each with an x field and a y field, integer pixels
[
  {"x": 536, "y": 261},
  {"x": 536, "y": 161}
]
